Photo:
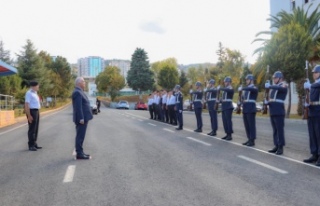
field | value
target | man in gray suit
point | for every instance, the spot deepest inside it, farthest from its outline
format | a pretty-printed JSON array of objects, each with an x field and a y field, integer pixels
[{"x": 81, "y": 115}]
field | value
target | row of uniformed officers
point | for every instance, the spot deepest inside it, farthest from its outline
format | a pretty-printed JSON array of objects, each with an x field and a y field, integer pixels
[{"x": 168, "y": 107}]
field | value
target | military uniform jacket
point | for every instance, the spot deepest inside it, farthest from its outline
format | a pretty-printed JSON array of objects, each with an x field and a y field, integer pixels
[
  {"x": 179, "y": 101},
  {"x": 227, "y": 96},
  {"x": 314, "y": 107},
  {"x": 211, "y": 98},
  {"x": 249, "y": 97},
  {"x": 197, "y": 99},
  {"x": 278, "y": 94}
]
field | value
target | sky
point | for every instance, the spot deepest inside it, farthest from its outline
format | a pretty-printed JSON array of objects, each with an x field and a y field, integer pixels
[{"x": 188, "y": 30}]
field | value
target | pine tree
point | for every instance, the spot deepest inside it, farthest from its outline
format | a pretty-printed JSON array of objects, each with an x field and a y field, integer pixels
[{"x": 140, "y": 77}]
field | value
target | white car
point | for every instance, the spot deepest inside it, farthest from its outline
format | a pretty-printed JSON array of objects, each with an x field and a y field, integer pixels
[
  {"x": 186, "y": 104},
  {"x": 123, "y": 105}
]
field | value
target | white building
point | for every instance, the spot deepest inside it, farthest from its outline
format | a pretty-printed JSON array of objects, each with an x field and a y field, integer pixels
[{"x": 123, "y": 65}]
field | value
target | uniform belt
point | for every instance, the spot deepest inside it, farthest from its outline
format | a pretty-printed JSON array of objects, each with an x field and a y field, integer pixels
[
  {"x": 277, "y": 100},
  {"x": 314, "y": 103},
  {"x": 250, "y": 100},
  {"x": 212, "y": 99},
  {"x": 177, "y": 102},
  {"x": 34, "y": 109},
  {"x": 197, "y": 100},
  {"x": 227, "y": 100}
]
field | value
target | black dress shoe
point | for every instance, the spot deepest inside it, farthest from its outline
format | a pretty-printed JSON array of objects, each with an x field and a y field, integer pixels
[
  {"x": 318, "y": 162},
  {"x": 245, "y": 143},
  {"x": 32, "y": 149},
  {"x": 179, "y": 128},
  {"x": 274, "y": 150},
  {"x": 225, "y": 137},
  {"x": 312, "y": 159},
  {"x": 229, "y": 138},
  {"x": 279, "y": 151},
  {"x": 38, "y": 147},
  {"x": 198, "y": 130},
  {"x": 250, "y": 143},
  {"x": 213, "y": 134},
  {"x": 209, "y": 133},
  {"x": 83, "y": 157}
]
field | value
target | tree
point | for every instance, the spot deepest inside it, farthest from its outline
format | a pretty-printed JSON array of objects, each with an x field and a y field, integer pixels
[
  {"x": 9, "y": 85},
  {"x": 183, "y": 80},
  {"x": 110, "y": 81},
  {"x": 168, "y": 77},
  {"x": 192, "y": 75},
  {"x": 30, "y": 65},
  {"x": 140, "y": 77}
]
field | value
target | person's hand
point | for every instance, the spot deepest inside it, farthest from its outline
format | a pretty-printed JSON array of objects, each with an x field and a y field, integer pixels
[
  {"x": 180, "y": 111},
  {"x": 239, "y": 103},
  {"x": 190, "y": 91},
  {"x": 218, "y": 87},
  {"x": 307, "y": 84},
  {"x": 240, "y": 89},
  {"x": 30, "y": 119},
  {"x": 306, "y": 105},
  {"x": 81, "y": 121},
  {"x": 266, "y": 102},
  {"x": 267, "y": 84}
]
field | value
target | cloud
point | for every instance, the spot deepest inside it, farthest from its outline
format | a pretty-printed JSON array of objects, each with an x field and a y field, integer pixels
[{"x": 152, "y": 26}]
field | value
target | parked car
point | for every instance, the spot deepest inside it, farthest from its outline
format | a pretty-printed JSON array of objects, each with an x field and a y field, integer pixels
[
  {"x": 141, "y": 106},
  {"x": 186, "y": 104},
  {"x": 93, "y": 106},
  {"x": 258, "y": 106},
  {"x": 123, "y": 105}
]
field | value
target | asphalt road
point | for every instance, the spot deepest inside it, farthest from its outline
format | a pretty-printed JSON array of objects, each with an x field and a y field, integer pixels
[{"x": 138, "y": 161}]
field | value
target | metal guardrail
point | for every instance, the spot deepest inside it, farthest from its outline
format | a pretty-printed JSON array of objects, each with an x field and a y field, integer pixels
[{"x": 6, "y": 102}]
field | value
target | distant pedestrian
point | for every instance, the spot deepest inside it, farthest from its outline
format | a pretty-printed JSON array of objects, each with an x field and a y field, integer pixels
[
  {"x": 81, "y": 115},
  {"x": 32, "y": 110},
  {"x": 98, "y": 102}
]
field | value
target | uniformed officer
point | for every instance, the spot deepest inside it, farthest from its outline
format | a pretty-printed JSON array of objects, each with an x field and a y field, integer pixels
[
  {"x": 179, "y": 107},
  {"x": 248, "y": 100},
  {"x": 171, "y": 103},
  {"x": 150, "y": 105},
  {"x": 314, "y": 116},
  {"x": 278, "y": 93},
  {"x": 197, "y": 105},
  {"x": 227, "y": 107},
  {"x": 211, "y": 100}
]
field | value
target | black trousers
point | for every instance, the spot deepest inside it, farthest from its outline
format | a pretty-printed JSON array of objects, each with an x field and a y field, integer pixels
[
  {"x": 314, "y": 134},
  {"x": 151, "y": 111},
  {"x": 80, "y": 135},
  {"x": 33, "y": 128},
  {"x": 277, "y": 123},
  {"x": 198, "y": 112}
]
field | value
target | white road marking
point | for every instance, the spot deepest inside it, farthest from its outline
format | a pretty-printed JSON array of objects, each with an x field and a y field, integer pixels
[
  {"x": 199, "y": 141},
  {"x": 13, "y": 129},
  {"x": 168, "y": 130},
  {"x": 263, "y": 164},
  {"x": 152, "y": 124},
  {"x": 68, "y": 177},
  {"x": 140, "y": 120}
]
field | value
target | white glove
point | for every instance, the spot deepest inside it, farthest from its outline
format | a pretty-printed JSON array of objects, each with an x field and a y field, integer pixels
[
  {"x": 306, "y": 105},
  {"x": 267, "y": 85},
  {"x": 190, "y": 91},
  {"x": 239, "y": 103},
  {"x": 240, "y": 89},
  {"x": 180, "y": 111},
  {"x": 307, "y": 84},
  {"x": 218, "y": 87},
  {"x": 265, "y": 102}
]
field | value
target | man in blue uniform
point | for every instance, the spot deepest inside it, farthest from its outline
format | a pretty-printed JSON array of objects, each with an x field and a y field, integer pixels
[
  {"x": 227, "y": 108},
  {"x": 211, "y": 100},
  {"x": 314, "y": 116},
  {"x": 179, "y": 107},
  {"x": 197, "y": 105},
  {"x": 248, "y": 99},
  {"x": 278, "y": 93}
]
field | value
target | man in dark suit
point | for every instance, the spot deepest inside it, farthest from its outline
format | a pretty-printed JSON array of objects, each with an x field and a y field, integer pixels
[{"x": 81, "y": 115}]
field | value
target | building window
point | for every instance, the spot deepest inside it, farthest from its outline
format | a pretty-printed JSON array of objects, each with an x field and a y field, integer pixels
[{"x": 293, "y": 4}]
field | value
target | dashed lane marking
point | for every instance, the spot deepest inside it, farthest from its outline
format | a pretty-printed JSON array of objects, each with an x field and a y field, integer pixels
[
  {"x": 152, "y": 124},
  {"x": 168, "y": 130},
  {"x": 199, "y": 141},
  {"x": 68, "y": 177},
  {"x": 263, "y": 164}
]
